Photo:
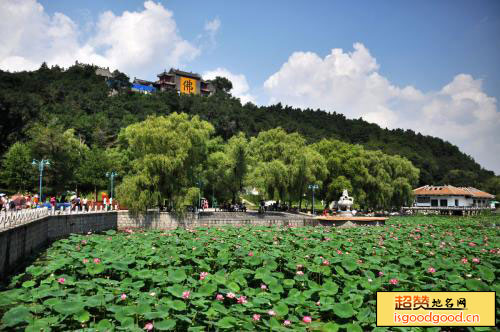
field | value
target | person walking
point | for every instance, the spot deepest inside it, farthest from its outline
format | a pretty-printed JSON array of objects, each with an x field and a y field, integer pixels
[{"x": 85, "y": 204}]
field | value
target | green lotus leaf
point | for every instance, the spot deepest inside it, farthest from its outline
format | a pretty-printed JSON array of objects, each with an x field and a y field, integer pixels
[
  {"x": 330, "y": 288},
  {"x": 330, "y": 327},
  {"x": 407, "y": 261},
  {"x": 165, "y": 325},
  {"x": 486, "y": 273},
  {"x": 82, "y": 316},
  {"x": 207, "y": 289},
  {"x": 233, "y": 286},
  {"x": 178, "y": 305},
  {"x": 68, "y": 307},
  {"x": 476, "y": 285},
  {"x": 227, "y": 322},
  {"x": 343, "y": 310},
  {"x": 176, "y": 290},
  {"x": 354, "y": 327},
  {"x": 28, "y": 284},
  {"x": 17, "y": 315},
  {"x": 177, "y": 276},
  {"x": 281, "y": 309},
  {"x": 104, "y": 325}
]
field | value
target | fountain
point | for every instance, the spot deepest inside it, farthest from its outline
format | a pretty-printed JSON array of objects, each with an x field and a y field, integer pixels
[{"x": 345, "y": 216}]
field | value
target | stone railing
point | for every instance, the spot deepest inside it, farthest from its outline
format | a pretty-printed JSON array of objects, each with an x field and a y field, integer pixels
[{"x": 10, "y": 219}]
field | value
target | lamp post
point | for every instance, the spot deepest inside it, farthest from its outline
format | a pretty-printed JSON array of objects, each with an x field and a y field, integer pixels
[
  {"x": 41, "y": 165},
  {"x": 111, "y": 175},
  {"x": 313, "y": 187}
]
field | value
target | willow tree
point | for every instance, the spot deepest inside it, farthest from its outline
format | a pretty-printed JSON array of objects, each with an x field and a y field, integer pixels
[
  {"x": 377, "y": 180},
  {"x": 284, "y": 165},
  {"x": 227, "y": 168},
  {"x": 166, "y": 154}
]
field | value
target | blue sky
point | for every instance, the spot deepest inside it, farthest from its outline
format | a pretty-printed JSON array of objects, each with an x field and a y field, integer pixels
[
  {"x": 422, "y": 43},
  {"x": 430, "y": 66}
]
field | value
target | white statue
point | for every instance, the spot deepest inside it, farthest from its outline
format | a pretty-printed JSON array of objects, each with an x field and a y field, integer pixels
[{"x": 345, "y": 203}]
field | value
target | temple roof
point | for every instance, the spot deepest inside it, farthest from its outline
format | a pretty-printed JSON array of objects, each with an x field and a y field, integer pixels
[
  {"x": 449, "y": 190},
  {"x": 173, "y": 71}
]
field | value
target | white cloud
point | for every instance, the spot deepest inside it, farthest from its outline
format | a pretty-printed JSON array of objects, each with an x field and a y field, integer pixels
[
  {"x": 349, "y": 83},
  {"x": 139, "y": 43},
  {"x": 240, "y": 84},
  {"x": 212, "y": 26}
]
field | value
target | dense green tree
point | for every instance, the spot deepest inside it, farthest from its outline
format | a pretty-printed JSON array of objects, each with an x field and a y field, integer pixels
[
  {"x": 227, "y": 169},
  {"x": 167, "y": 154},
  {"x": 461, "y": 178},
  {"x": 222, "y": 84},
  {"x": 17, "y": 172},
  {"x": 64, "y": 150},
  {"x": 285, "y": 165},
  {"x": 76, "y": 98},
  {"x": 92, "y": 169}
]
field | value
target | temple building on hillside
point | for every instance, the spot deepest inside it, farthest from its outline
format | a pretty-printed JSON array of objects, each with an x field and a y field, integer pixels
[
  {"x": 143, "y": 86},
  {"x": 184, "y": 82},
  {"x": 451, "y": 197},
  {"x": 99, "y": 71}
]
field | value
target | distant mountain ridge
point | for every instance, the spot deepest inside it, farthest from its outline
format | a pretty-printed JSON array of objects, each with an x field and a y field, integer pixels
[{"x": 78, "y": 98}]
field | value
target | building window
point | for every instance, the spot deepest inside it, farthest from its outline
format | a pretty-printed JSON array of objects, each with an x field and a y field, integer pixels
[
  {"x": 443, "y": 202},
  {"x": 434, "y": 202},
  {"x": 423, "y": 199},
  {"x": 456, "y": 202}
]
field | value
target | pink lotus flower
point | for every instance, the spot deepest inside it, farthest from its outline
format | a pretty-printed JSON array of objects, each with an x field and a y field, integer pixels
[
  {"x": 287, "y": 323},
  {"x": 256, "y": 317},
  {"x": 85, "y": 261},
  {"x": 380, "y": 273},
  {"x": 263, "y": 286},
  {"x": 230, "y": 295},
  {"x": 242, "y": 300},
  {"x": 61, "y": 280},
  {"x": 464, "y": 260},
  {"x": 123, "y": 296},
  {"x": 307, "y": 319},
  {"x": 394, "y": 281},
  {"x": 148, "y": 326},
  {"x": 475, "y": 260},
  {"x": 431, "y": 270},
  {"x": 84, "y": 242},
  {"x": 326, "y": 262},
  {"x": 299, "y": 273},
  {"x": 185, "y": 295},
  {"x": 472, "y": 244},
  {"x": 250, "y": 253},
  {"x": 339, "y": 252},
  {"x": 271, "y": 313},
  {"x": 203, "y": 275},
  {"x": 97, "y": 260},
  {"x": 219, "y": 297},
  {"x": 318, "y": 303}
]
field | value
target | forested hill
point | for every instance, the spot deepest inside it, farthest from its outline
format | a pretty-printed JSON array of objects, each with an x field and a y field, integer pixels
[{"x": 77, "y": 98}]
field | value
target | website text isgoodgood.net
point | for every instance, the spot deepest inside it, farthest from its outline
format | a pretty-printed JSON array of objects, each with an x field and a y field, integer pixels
[{"x": 437, "y": 319}]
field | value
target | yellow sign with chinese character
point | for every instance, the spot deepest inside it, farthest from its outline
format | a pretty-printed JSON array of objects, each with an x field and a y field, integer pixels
[
  {"x": 188, "y": 85},
  {"x": 435, "y": 308}
]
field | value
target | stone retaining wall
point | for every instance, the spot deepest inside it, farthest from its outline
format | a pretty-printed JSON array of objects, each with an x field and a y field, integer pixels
[
  {"x": 18, "y": 243},
  {"x": 165, "y": 220}
]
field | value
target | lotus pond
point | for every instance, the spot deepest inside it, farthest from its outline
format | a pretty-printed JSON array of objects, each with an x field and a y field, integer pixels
[{"x": 247, "y": 278}]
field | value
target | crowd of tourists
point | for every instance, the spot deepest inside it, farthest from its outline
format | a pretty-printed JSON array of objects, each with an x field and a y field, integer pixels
[{"x": 28, "y": 201}]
